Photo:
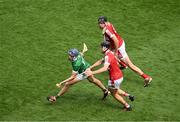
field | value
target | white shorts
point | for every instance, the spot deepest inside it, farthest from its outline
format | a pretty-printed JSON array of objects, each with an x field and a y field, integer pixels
[
  {"x": 122, "y": 51},
  {"x": 116, "y": 84},
  {"x": 81, "y": 76}
]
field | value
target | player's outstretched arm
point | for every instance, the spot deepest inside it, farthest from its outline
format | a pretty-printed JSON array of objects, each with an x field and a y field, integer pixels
[
  {"x": 99, "y": 62},
  {"x": 67, "y": 80},
  {"x": 104, "y": 68}
]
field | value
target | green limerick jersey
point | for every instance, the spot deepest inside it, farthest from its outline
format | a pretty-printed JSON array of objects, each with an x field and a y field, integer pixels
[{"x": 79, "y": 65}]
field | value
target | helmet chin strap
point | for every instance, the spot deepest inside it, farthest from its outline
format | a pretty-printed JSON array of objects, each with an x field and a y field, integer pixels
[
  {"x": 74, "y": 58},
  {"x": 105, "y": 49}
]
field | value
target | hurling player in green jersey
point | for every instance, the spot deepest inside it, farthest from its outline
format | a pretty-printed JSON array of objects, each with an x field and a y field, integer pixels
[{"x": 79, "y": 65}]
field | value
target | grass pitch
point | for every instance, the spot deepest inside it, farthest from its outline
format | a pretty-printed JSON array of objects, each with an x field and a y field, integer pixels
[{"x": 36, "y": 34}]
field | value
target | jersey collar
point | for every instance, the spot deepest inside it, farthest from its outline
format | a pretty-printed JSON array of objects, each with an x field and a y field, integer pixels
[{"x": 108, "y": 51}]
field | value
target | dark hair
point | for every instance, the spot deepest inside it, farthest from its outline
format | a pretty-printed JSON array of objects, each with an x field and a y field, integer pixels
[
  {"x": 102, "y": 19},
  {"x": 105, "y": 44}
]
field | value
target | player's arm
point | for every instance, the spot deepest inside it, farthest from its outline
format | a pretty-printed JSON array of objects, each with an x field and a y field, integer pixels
[
  {"x": 73, "y": 75},
  {"x": 103, "y": 69},
  {"x": 113, "y": 37},
  {"x": 106, "y": 61},
  {"x": 99, "y": 62},
  {"x": 115, "y": 43}
]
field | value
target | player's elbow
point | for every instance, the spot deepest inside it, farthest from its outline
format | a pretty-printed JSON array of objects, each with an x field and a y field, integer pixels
[{"x": 99, "y": 62}]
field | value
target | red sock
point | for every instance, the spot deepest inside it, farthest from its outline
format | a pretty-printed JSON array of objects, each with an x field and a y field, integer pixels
[{"x": 144, "y": 76}]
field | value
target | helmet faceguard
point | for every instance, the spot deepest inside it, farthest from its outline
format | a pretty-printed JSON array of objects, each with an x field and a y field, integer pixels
[{"x": 105, "y": 46}]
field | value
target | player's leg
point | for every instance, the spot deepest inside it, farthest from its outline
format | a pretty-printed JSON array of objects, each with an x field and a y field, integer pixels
[
  {"x": 113, "y": 87},
  {"x": 132, "y": 66},
  {"x": 120, "y": 99},
  {"x": 122, "y": 54},
  {"x": 121, "y": 63},
  {"x": 64, "y": 89},
  {"x": 147, "y": 78},
  {"x": 123, "y": 93},
  {"x": 98, "y": 83},
  {"x": 67, "y": 85},
  {"x": 125, "y": 58}
]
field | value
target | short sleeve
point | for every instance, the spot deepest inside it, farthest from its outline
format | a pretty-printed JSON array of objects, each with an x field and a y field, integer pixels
[{"x": 107, "y": 60}]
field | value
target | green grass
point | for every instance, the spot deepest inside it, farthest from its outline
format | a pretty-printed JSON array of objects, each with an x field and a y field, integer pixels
[{"x": 36, "y": 34}]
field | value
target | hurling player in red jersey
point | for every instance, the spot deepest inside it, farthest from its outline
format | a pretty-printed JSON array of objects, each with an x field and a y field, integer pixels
[
  {"x": 115, "y": 75},
  {"x": 118, "y": 46}
]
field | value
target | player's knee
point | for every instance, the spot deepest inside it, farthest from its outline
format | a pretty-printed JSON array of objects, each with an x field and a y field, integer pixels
[
  {"x": 91, "y": 79},
  {"x": 67, "y": 84},
  {"x": 128, "y": 62},
  {"x": 113, "y": 92}
]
